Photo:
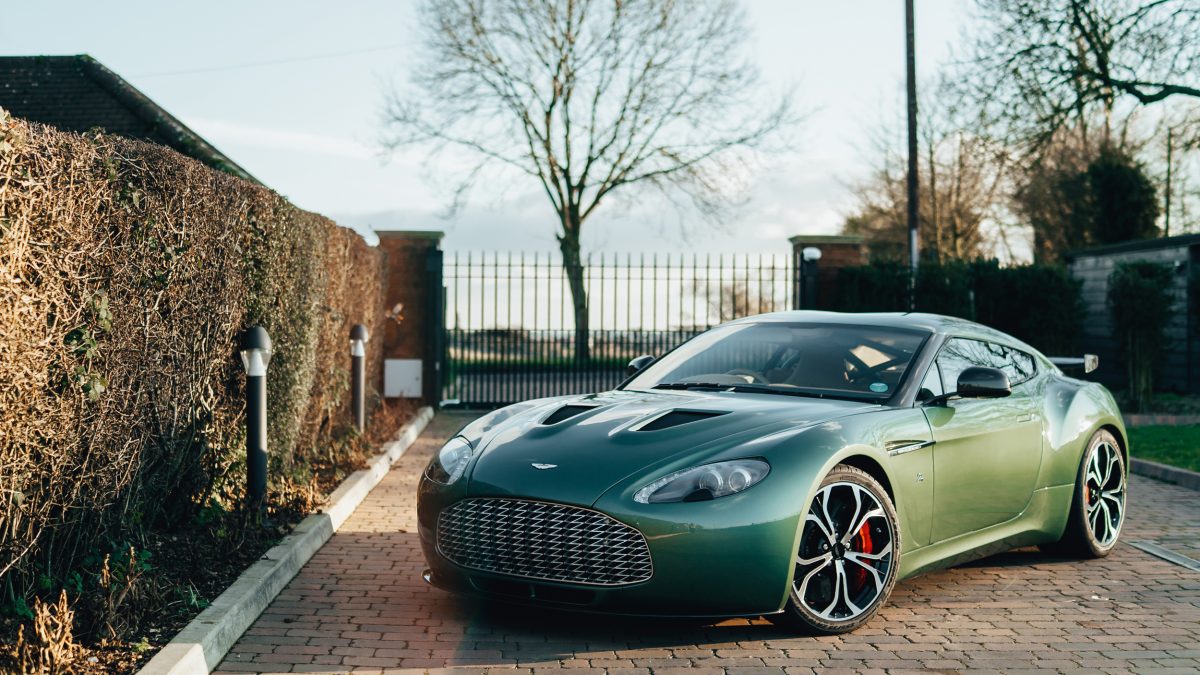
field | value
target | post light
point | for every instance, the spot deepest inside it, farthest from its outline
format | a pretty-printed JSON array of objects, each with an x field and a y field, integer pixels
[
  {"x": 256, "y": 354},
  {"x": 358, "y": 358}
]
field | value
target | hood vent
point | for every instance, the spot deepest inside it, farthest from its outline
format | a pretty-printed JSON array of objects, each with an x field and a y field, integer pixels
[
  {"x": 567, "y": 412},
  {"x": 676, "y": 418}
]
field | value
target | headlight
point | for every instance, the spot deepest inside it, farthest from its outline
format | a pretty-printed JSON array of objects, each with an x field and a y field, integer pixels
[
  {"x": 451, "y": 461},
  {"x": 704, "y": 482}
]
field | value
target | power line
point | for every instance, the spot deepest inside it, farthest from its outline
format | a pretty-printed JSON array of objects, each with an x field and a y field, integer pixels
[{"x": 274, "y": 62}]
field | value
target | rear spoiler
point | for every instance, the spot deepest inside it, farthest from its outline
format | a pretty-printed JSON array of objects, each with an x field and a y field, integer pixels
[{"x": 1076, "y": 365}]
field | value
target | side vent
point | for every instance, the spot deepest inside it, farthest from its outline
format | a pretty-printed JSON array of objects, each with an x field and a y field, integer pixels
[
  {"x": 566, "y": 412},
  {"x": 676, "y": 418}
]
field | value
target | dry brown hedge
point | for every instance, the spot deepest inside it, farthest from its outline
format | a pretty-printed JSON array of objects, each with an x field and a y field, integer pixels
[{"x": 126, "y": 273}]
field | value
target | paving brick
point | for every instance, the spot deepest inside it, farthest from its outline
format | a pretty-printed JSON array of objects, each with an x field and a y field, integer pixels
[{"x": 359, "y": 605}]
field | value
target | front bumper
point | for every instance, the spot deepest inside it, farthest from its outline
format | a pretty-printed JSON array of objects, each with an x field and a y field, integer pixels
[{"x": 727, "y": 557}]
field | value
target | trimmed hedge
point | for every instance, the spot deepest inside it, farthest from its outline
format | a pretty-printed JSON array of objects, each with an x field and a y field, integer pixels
[
  {"x": 1039, "y": 304},
  {"x": 126, "y": 273},
  {"x": 1140, "y": 298}
]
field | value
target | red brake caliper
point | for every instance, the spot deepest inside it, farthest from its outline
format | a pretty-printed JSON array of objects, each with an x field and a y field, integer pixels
[{"x": 864, "y": 539}]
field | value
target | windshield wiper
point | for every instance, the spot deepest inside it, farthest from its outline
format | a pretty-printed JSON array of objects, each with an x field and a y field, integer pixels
[
  {"x": 693, "y": 385},
  {"x": 747, "y": 388},
  {"x": 766, "y": 389}
]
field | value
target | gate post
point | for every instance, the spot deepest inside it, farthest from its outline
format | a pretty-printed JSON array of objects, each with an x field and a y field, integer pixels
[
  {"x": 410, "y": 344},
  {"x": 836, "y": 252},
  {"x": 435, "y": 299}
]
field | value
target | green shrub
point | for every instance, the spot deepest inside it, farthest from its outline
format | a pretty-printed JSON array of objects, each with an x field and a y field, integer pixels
[
  {"x": 881, "y": 287},
  {"x": 1140, "y": 298},
  {"x": 1123, "y": 204},
  {"x": 1039, "y": 304},
  {"x": 945, "y": 289}
]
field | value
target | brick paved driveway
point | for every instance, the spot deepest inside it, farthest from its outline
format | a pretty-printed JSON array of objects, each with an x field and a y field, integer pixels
[{"x": 360, "y": 604}]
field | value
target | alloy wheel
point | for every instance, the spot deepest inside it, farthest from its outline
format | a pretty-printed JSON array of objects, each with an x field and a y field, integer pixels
[
  {"x": 846, "y": 553},
  {"x": 1104, "y": 493}
]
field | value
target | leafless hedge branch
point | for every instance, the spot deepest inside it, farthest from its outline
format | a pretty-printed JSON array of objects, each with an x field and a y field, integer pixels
[{"x": 126, "y": 272}]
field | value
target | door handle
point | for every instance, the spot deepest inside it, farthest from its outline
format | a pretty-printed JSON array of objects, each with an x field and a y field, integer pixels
[{"x": 1027, "y": 417}]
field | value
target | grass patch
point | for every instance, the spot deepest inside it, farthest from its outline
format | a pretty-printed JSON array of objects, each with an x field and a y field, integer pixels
[{"x": 1176, "y": 446}]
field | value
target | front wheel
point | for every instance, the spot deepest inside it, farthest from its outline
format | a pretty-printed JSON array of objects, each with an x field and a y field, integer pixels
[
  {"x": 848, "y": 557},
  {"x": 1098, "y": 504}
]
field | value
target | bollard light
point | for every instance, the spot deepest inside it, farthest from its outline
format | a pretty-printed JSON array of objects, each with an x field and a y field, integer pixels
[
  {"x": 256, "y": 354},
  {"x": 358, "y": 358}
]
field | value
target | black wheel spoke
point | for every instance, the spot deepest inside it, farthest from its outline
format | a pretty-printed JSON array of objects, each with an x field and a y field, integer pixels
[{"x": 846, "y": 553}]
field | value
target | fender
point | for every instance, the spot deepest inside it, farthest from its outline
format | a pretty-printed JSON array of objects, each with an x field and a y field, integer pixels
[{"x": 1074, "y": 411}]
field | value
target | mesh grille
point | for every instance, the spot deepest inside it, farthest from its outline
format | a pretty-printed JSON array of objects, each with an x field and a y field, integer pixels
[{"x": 540, "y": 540}]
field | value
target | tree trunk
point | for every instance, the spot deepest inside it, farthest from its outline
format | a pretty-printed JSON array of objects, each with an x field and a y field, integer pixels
[{"x": 568, "y": 243}]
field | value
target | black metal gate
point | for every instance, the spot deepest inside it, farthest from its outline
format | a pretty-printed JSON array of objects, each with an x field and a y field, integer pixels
[{"x": 510, "y": 327}]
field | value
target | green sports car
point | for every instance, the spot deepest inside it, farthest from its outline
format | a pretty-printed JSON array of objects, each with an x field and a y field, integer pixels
[{"x": 793, "y": 465}]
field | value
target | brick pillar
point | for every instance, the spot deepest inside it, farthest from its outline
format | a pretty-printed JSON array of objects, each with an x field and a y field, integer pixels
[
  {"x": 412, "y": 348},
  {"x": 837, "y": 251}
]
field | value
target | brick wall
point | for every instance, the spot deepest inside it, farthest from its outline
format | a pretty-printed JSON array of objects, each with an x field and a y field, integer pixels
[
  {"x": 837, "y": 251},
  {"x": 413, "y": 268}
]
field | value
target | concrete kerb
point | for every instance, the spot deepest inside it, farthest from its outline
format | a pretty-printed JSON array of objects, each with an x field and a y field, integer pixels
[
  {"x": 201, "y": 645},
  {"x": 1167, "y": 474}
]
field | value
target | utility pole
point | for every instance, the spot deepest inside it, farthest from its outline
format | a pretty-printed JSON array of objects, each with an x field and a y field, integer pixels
[{"x": 913, "y": 185}]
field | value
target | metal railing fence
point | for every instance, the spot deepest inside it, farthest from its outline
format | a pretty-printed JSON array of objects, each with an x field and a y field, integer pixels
[{"x": 510, "y": 320}]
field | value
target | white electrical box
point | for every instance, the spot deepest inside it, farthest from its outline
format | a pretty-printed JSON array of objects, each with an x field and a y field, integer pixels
[{"x": 402, "y": 378}]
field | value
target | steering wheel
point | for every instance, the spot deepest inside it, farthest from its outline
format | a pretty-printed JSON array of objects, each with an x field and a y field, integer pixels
[{"x": 755, "y": 376}]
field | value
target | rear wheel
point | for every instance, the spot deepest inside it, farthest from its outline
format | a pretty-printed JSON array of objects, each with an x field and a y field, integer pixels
[
  {"x": 1098, "y": 505},
  {"x": 848, "y": 557}
]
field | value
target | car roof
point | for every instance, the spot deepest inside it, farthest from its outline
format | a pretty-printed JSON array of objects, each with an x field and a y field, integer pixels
[{"x": 932, "y": 323}]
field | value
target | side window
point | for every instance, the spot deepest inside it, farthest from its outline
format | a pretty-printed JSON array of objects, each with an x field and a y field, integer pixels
[
  {"x": 1021, "y": 367},
  {"x": 962, "y": 353},
  {"x": 932, "y": 384},
  {"x": 956, "y": 356}
]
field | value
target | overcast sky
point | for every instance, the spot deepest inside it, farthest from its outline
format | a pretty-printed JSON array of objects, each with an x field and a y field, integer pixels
[{"x": 291, "y": 91}]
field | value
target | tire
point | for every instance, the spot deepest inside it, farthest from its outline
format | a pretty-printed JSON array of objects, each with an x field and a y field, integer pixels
[
  {"x": 840, "y": 582},
  {"x": 1098, "y": 502}
]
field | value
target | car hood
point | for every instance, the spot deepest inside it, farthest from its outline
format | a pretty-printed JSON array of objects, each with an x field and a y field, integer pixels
[{"x": 584, "y": 455}]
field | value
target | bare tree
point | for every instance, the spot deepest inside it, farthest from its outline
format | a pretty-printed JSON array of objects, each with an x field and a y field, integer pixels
[
  {"x": 587, "y": 98},
  {"x": 1038, "y": 66},
  {"x": 1048, "y": 191},
  {"x": 1174, "y": 151},
  {"x": 962, "y": 176}
]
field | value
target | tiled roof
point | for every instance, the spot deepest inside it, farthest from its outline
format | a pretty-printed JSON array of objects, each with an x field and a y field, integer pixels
[{"x": 77, "y": 93}]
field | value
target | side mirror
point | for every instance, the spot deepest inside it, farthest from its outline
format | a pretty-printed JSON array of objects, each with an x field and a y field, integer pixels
[
  {"x": 638, "y": 365},
  {"x": 976, "y": 382},
  {"x": 981, "y": 382}
]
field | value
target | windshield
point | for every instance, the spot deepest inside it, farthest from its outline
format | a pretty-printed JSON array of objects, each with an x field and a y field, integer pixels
[{"x": 839, "y": 361}]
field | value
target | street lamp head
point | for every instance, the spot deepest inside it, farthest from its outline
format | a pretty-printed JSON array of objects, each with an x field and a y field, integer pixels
[
  {"x": 811, "y": 253},
  {"x": 255, "y": 351}
]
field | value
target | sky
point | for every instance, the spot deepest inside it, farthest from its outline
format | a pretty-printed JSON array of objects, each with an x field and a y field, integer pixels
[{"x": 292, "y": 91}]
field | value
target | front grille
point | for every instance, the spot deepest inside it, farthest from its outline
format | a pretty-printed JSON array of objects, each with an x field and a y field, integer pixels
[{"x": 541, "y": 540}]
